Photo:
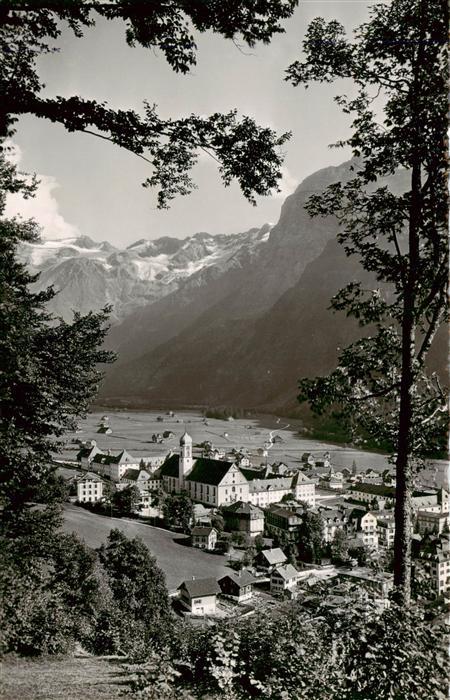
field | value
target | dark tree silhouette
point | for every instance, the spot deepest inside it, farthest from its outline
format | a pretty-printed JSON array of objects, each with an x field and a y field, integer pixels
[
  {"x": 398, "y": 63},
  {"x": 244, "y": 151}
]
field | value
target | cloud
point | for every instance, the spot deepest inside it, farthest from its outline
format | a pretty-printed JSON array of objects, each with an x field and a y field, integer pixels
[
  {"x": 287, "y": 184},
  {"x": 43, "y": 207}
]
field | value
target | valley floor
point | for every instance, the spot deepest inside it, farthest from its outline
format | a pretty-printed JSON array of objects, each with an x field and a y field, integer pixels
[{"x": 65, "y": 678}]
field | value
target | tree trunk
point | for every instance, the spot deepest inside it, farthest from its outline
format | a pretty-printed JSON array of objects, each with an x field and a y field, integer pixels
[
  {"x": 404, "y": 476},
  {"x": 405, "y": 482}
]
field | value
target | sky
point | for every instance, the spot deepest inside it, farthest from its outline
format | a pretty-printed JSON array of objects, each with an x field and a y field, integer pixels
[{"x": 91, "y": 187}]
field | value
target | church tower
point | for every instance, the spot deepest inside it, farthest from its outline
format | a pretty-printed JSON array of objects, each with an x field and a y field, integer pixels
[{"x": 185, "y": 461}]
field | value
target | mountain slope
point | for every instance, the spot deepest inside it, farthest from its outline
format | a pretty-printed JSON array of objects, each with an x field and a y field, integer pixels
[
  {"x": 88, "y": 275},
  {"x": 246, "y": 338},
  {"x": 243, "y": 289}
]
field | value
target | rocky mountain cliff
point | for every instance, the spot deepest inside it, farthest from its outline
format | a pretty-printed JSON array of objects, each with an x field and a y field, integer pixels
[
  {"x": 88, "y": 275},
  {"x": 216, "y": 320}
]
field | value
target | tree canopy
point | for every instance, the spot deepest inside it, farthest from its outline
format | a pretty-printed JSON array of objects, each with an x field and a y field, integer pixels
[
  {"x": 50, "y": 368},
  {"x": 397, "y": 62},
  {"x": 244, "y": 151}
]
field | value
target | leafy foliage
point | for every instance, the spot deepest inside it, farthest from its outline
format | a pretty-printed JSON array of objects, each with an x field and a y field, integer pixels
[
  {"x": 48, "y": 593},
  {"x": 339, "y": 547},
  {"x": 178, "y": 510},
  {"x": 295, "y": 652},
  {"x": 126, "y": 500},
  {"x": 50, "y": 368},
  {"x": 397, "y": 62},
  {"x": 310, "y": 537},
  {"x": 244, "y": 151},
  {"x": 138, "y": 588}
]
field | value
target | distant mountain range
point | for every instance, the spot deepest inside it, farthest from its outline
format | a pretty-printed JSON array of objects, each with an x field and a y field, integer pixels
[
  {"x": 216, "y": 320},
  {"x": 88, "y": 275}
]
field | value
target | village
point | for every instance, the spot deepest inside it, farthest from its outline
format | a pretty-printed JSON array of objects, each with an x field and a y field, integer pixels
[{"x": 295, "y": 530}]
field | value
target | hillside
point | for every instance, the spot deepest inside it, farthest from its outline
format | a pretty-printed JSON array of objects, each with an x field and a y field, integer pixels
[
  {"x": 88, "y": 275},
  {"x": 244, "y": 339},
  {"x": 216, "y": 320}
]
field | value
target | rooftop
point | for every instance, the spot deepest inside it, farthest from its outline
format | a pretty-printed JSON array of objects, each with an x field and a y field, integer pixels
[
  {"x": 241, "y": 578},
  {"x": 274, "y": 556},
  {"x": 287, "y": 571},
  {"x": 241, "y": 508},
  {"x": 135, "y": 474},
  {"x": 209, "y": 471},
  {"x": 200, "y": 531},
  {"x": 200, "y": 587}
]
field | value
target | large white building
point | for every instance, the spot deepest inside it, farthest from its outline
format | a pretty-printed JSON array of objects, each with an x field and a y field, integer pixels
[
  {"x": 210, "y": 481},
  {"x": 114, "y": 466},
  {"x": 89, "y": 488},
  {"x": 217, "y": 482}
]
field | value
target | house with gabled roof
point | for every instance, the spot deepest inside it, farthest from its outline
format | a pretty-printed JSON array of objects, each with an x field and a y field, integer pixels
[
  {"x": 237, "y": 585},
  {"x": 244, "y": 517},
  {"x": 267, "y": 559},
  {"x": 283, "y": 578},
  {"x": 199, "y": 595},
  {"x": 87, "y": 453},
  {"x": 204, "y": 537}
]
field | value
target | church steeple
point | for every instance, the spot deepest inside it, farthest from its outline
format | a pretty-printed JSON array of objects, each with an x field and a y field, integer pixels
[{"x": 185, "y": 461}]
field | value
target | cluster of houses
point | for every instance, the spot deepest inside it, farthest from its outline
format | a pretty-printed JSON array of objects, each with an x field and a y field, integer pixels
[
  {"x": 270, "y": 499},
  {"x": 272, "y": 575}
]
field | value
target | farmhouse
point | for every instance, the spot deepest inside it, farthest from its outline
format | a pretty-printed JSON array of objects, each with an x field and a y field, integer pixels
[
  {"x": 244, "y": 517},
  {"x": 204, "y": 537},
  {"x": 268, "y": 559},
  {"x": 283, "y": 578}
]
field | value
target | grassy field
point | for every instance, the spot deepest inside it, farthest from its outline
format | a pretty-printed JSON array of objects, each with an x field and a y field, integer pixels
[
  {"x": 133, "y": 430},
  {"x": 178, "y": 561},
  {"x": 67, "y": 678}
]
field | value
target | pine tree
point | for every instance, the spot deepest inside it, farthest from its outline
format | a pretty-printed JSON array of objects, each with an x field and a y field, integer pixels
[{"x": 50, "y": 370}]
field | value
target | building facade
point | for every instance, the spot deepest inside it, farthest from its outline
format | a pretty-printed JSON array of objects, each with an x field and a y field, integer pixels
[
  {"x": 199, "y": 596},
  {"x": 244, "y": 517},
  {"x": 89, "y": 488},
  {"x": 204, "y": 537},
  {"x": 217, "y": 482}
]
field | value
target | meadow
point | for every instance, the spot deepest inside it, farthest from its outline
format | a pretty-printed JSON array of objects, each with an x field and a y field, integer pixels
[{"x": 133, "y": 430}]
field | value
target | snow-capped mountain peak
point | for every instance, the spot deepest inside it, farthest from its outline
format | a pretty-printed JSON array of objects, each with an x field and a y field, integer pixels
[{"x": 89, "y": 274}]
